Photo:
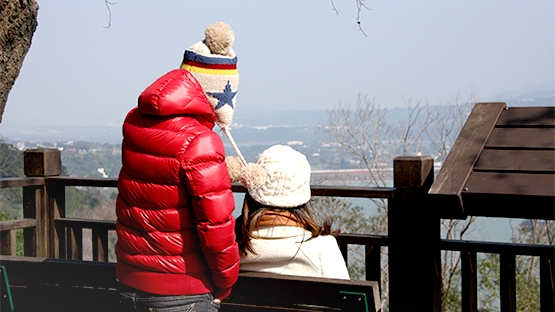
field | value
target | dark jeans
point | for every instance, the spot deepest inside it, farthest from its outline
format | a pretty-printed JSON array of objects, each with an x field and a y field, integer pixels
[{"x": 138, "y": 301}]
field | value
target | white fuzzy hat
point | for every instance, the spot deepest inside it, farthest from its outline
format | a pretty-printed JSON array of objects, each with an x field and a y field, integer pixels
[{"x": 279, "y": 178}]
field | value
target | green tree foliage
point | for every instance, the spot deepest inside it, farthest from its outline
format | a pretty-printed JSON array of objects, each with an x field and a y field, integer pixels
[
  {"x": 527, "y": 268},
  {"x": 11, "y": 166},
  {"x": 85, "y": 159},
  {"x": 11, "y": 161},
  {"x": 6, "y": 216}
]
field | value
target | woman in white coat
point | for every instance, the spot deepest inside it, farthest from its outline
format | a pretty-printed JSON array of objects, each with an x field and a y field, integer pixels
[{"x": 276, "y": 231}]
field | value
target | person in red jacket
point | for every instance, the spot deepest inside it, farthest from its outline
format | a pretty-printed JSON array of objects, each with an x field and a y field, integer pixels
[{"x": 176, "y": 245}]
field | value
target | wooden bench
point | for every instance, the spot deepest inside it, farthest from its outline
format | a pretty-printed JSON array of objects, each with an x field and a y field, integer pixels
[
  {"x": 271, "y": 292},
  {"x": 69, "y": 285}
]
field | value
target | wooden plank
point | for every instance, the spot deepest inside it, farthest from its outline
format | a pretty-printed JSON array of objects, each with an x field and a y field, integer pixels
[
  {"x": 449, "y": 183},
  {"x": 511, "y": 184},
  {"x": 337, "y": 191},
  {"x": 20, "y": 182},
  {"x": 499, "y": 248},
  {"x": 60, "y": 285},
  {"x": 287, "y": 290},
  {"x": 106, "y": 225},
  {"x": 72, "y": 181},
  {"x": 528, "y": 116},
  {"x": 363, "y": 239},
  {"x": 100, "y": 245},
  {"x": 61, "y": 272},
  {"x": 43, "y": 297},
  {"x": 522, "y": 138},
  {"x": 539, "y": 161},
  {"x": 36, "y": 241},
  {"x": 373, "y": 263},
  {"x": 510, "y": 195},
  {"x": 17, "y": 224},
  {"x": 352, "y": 191},
  {"x": 509, "y": 206}
]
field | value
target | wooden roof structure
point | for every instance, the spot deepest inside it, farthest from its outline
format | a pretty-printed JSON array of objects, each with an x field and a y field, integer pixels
[{"x": 501, "y": 165}]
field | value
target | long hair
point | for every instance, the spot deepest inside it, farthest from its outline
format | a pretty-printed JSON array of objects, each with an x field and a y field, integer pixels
[{"x": 253, "y": 212}]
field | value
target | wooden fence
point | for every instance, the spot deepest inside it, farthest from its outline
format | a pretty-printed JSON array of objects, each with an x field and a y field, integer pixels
[{"x": 413, "y": 241}]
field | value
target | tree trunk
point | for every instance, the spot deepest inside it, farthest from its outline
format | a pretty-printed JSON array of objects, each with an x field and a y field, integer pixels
[{"x": 18, "y": 21}]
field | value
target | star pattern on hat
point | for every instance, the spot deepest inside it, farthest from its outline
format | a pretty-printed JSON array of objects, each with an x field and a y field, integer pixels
[{"x": 225, "y": 97}]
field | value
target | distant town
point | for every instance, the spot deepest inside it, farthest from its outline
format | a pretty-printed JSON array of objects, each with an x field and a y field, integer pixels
[{"x": 95, "y": 151}]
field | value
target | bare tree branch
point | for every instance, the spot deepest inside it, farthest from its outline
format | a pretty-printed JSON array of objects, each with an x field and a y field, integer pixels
[
  {"x": 108, "y": 4},
  {"x": 360, "y": 4}
]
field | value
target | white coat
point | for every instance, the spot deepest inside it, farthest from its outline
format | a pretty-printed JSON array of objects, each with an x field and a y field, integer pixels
[{"x": 288, "y": 250}]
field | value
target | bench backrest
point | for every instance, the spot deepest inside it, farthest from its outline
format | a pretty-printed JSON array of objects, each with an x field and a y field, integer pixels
[
  {"x": 70, "y": 285},
  {"x": 254, "y": 290}
]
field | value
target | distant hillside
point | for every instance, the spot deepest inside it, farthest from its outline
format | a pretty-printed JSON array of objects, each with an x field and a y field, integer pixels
[
  {"x": 249, "y": 128},
  {"x": 281, "y": 118},
  {"x": 97, "y": 134}
]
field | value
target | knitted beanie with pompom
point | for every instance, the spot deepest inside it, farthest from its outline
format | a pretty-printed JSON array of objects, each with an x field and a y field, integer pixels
[{"x": 214, "y": 64}]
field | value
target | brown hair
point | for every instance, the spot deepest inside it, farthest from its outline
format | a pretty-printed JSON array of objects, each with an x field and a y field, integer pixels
[{"x": 253, "y": 211}]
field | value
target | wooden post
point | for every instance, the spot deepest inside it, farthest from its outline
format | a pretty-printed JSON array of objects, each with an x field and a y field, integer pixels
[
  {"x": 469, "y": 281},
  {"x": 43, "y": 203},
  {"x": 414, "y": 235},
  {"x": 547, "y": 283},
  {"x": 507, "y": 282}
]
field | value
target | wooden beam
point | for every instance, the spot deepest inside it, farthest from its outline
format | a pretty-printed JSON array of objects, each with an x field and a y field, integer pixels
[{"x": 449, "y": 183}]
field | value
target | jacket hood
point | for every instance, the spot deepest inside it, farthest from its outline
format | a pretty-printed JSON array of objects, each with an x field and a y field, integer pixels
[{"x": 176, "y": 93}]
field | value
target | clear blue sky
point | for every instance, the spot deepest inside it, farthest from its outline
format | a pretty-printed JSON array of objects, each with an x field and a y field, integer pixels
[{"x": 293, "y": 55}]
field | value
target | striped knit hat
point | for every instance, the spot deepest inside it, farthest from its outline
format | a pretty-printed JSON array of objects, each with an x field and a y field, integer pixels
[{"x": 214, "y": 64}]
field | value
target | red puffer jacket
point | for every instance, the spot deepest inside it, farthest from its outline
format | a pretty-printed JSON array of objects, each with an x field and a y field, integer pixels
[{"x": 175, "y": 228}]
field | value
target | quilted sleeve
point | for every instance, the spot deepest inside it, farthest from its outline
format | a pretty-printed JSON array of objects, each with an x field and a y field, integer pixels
[{"x": 210, "y": 187}]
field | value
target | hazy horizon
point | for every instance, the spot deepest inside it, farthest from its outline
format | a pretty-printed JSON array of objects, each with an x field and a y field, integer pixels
[{"x": 293, "y": 55}]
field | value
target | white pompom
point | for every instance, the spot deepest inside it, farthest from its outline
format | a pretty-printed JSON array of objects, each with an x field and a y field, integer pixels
[
  {"x": 253, "y": 176},
  {"x": 234, "y": 167}
]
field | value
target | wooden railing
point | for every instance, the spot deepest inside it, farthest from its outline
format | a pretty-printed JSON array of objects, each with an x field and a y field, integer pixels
[
  {"x": 413, "y": 241},
  {"x": 507, "y": 254}
]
